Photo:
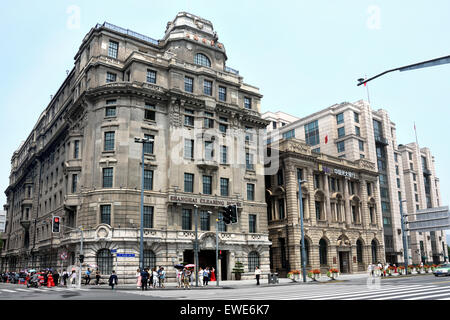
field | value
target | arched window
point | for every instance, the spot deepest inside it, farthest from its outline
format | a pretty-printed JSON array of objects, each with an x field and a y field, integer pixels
[
  {"x": 202, "y": 60},
  {"x": 149, "y": 259},
  {"x": 323, "y": 248},
  {"x": 104, "y": 261},
  {"x": 359, "y": 251},
  {"x": 253, "y": 261},
  {"x": 374, "y": 251}
]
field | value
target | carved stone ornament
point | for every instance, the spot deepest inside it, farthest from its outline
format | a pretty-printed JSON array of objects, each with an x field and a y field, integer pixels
[
  {"x": 297, "y": 147},
  {"x": 102, "y": 232},
  {"x": 198, "y": 23}
]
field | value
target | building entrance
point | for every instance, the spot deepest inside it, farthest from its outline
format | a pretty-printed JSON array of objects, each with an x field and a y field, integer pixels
[
  {"x": 207, "y": 258},
  {"x": 344, "y": 265}
]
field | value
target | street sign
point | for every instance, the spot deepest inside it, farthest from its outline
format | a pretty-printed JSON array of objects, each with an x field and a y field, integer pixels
[
  {"x": 113, "y": 250},
  {"x": 63, "y": 256},
  {"x": 431, "y": 219},
  {"x": 126, "y": 255}
]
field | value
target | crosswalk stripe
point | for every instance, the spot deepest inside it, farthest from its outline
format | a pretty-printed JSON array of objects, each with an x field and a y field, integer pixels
[
  {"x": 446, "y": 290},
  {"x": 399, "y": 293},
  {"x": 6, "y": 290}
]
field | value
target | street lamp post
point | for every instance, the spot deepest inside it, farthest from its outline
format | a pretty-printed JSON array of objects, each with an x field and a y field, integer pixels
[
  {"x": 196, "y": 244},
  {"x": 217, "y": 250},
  {"x": 303, "y": 255},
  {"x": 141, "y": 241},
  {"x": 405, "y": 243}
]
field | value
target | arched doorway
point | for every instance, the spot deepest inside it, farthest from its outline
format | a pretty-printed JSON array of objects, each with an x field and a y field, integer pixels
[
  {"x": 359, "y": 255},
  {"x": 105, "y": 261},
  {"x": 374, "y": 246},
  {"x": 323, "y": 253}
]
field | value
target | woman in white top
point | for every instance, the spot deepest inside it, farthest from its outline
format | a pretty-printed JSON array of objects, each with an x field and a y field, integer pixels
[
  {"x": 138, "y": 276},
  {"x": 200, "y": 277},
  {"x": 179, "y": 272},
  {"x": 257, "y": 275},
  {"x": 155, "y": 278}
]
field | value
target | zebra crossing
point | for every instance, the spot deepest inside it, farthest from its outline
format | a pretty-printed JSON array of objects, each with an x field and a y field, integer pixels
[
  {"x": 38, "y": 290},
  {"x": 316, "y": 292}
]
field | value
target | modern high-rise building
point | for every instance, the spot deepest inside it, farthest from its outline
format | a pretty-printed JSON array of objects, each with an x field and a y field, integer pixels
[
  {"x": 355, "y": 131},
  {"x": 422, "y": 192},
  {"x": 2, "y": 221},
  {"x": 80, "y": 161}
]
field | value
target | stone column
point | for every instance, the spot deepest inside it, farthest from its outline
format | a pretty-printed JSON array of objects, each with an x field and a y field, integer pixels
[
  {"x": 292, "y": 215},
  {"x": 327, "y": 197},
  {"x": 347, "y": 207},
  {"x": 364, "y": 206},
  {"x": 311, "y": 212}
]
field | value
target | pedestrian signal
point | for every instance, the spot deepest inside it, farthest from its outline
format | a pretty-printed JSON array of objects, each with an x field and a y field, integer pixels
[{"x": 55, "y": 224}]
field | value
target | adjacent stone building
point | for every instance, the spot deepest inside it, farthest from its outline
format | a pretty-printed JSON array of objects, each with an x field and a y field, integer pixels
[
  {"x": 342, "y": 216},
  {"x": 80, "y": 161}
]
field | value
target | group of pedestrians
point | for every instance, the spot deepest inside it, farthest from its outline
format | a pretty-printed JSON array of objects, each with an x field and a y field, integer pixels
[
  {"x": 186, "y": 276},
  {"x": 155, "y": 278},
  {"x": 382, "y": 268}
]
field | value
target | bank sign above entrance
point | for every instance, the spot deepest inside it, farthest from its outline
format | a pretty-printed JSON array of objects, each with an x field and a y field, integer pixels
[
  {"x": 339, "y": 172},
  {"x": 204, "y": 201}
]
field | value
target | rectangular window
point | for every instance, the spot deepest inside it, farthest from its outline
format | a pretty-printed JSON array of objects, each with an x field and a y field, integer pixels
[
  {"x": 248, "y": 133},
  {"x": 247, "y": 103},
  {"x": 312, "y": 133},
  {"x": 148, "y": 217},
  {"x": 74, "y": 183},
  {"x": 150, "y": 112},
  {"x": 209, "y": 150},
  {"x": 356, "y": 115},
  {"x": 111, "y": 77},
  {"x": 250, "y": 191},
  {"x": 113, "y": 49},
  {"x": 110, "y": 111},
  {"x": 151, "y": 76},
  {"x": 318, "y": 210},
  {"x": 76, "y": 149},
  {"x": 341, "y": 146},
  {"x": 148, "y": 146},
  {"x": 281, "y": 208},
  {"x": 361, "y": 145},
  {"x": 397, "y": 171},
  {"x": 189, "y": 148},
  {"x": 223, "y": 154},
  {"x": 316, "y": 150},
  {"x": 249, "y": 161},
  {"x": 414, "y": 177},
  {"x": 316, "y": 181},
  {"x": 204, "y": 221},
  {"x": 207, "y": 87},
  {"x": 410, "y": 155},
  {"x": 107, "y": 177},
  {"x": 299, "y": 174},
  {"x": 148, "y": 179},
  {"x": 207, "y": 184},
  {"x": 188, "y": 120},
  {"x": 105, "y": 214},
  {"x": 369, "y": 189},
  {"x": 224, "y": 184},
  {"x": 341, "y": 132},
  {"x": 186, "y": 219},
  {"x": 222, "y": 93},
  {"x": 396, "y": 157},
  {"x": 188, "y": 182},
  {"x": 188, "y": 84},
  {"x": 109, "y": 141},
  {"x": 357, "y": 131},
  {"x": 223, "y": 127},
  {"x": 340, "y": 118},
  {"x": 289, "y": 134},
  {"x": 252, "y": 223}
]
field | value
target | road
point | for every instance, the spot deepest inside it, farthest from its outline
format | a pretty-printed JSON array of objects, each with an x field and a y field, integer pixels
[{"x": 424, "y": 287}]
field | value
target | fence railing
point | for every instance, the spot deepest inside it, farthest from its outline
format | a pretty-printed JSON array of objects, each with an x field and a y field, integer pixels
[{"x": 127, "y": 32}]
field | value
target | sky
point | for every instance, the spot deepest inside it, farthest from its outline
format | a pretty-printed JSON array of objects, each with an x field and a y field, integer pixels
[{"x": 304, "y": 56}]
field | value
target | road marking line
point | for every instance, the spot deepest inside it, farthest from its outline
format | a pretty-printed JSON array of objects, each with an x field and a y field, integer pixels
[
  {"x": 403, "y": 294},
  {"x": 6, "y": 290},
  {"x": 447, "y": 293}
]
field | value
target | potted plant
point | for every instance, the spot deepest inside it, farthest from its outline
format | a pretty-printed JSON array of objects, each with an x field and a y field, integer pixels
[
  {"x": 401, "y": 270},
  {"x": 294, "y": 275},
  {"x": 390, "y": 271},
  {"x": 333, "y": 273},
  {"x": 314, "y": 274},
  {"x": 238, "y": 270},
  {"x": 411, "y": 268}
]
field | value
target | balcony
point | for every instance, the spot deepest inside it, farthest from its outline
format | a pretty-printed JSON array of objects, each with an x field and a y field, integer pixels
[
  {"x": 426, "y": 172},
  {"x": 381, "y": 140},
  {"x": 208, "y": 164},
  {"x": 25, "y": 223}
]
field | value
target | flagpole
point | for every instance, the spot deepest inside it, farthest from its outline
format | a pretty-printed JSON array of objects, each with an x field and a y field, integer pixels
[
  {"x": 415, "y": 131},
  {"x": 367, "y": 88}
]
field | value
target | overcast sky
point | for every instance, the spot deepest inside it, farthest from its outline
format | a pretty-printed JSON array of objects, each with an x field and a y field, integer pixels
[{"x": 303, "y": 55}]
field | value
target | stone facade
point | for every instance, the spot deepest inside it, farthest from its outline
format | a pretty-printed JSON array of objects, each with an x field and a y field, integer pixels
[
  {"x": 81, "y": 162},
  {"x": 342, "y": 218}
]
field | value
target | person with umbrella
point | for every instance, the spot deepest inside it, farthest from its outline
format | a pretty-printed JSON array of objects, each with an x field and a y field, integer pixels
[{"x": 186, "y": 277}]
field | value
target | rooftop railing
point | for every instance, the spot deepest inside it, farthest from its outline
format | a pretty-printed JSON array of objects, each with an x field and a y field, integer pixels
[{"x": 127, "y": 32}]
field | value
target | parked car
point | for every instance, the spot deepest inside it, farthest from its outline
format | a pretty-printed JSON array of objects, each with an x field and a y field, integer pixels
[{"x": 442, "y": 270}]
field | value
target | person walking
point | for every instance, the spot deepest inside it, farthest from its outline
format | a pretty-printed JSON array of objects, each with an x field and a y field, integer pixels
[
  {"x": 186, "y": 277},
  {"x": 88, "y": 277},
  {"x": 155, "y": 278},
  {"x": 206, "y": 276},
  {"x": 73, "y": 278},
  {"x": 144, "y": 279},
  {"x": 113, "y": 280},
  {"x": 162, "y": 277},
  {"x": 257, "y": 275},
  {"x": 212, "y": 275},
  {"x": 369, "y": 269},
  {"x": 56, "y": 277},
  {"x": 65, "y": 275},
  {"x": 200, "y": 277},
  {"x": 97, "y": 277},
  {"x": 138, "y": 276},
  {"x": 179, "y": 276}
]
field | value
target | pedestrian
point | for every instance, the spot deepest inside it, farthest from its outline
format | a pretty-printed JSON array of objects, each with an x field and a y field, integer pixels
[
  {"x": 113, "y": 280},
  {"x": 212, "y": 275},
  {"x": 206, "y": 276},
  {"x": 159, "y": 273},
  {"x": 97, "y": 277},
  {"x": 88, "y": 277},
  {"x": 73, "y": 278},
  {"x": 155, "y": 278},
  {"x": 144, "y": 279},
  {"x": 200, "y": 277},
  {"x": 56, "y": 277},
  {"x": 65, "y": 275},
  {"x": 257, "y": 275},
  {"x": 179, "y": 276},
  {"x": 370, "y": 269},
  {"x": 138, "y": 276},
  {"x": 150, "y": 279},
  {"x": 186, "y": 277},
  {"x": 162, "y": 277}
]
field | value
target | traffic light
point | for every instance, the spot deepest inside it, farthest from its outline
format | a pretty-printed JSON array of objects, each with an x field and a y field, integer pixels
[
  {"x": 220, "y": 254},
  {"x": 234, "y": 214},
  {"x": 226, "y": 215},
  {"x": 55, "y": 224},
  {"x": 81, "y": 257}
]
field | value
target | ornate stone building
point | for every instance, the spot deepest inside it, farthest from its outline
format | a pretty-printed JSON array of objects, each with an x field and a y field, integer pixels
[
  {"x": 80, "y": 161},
  {"x": 342, "y": 215}
]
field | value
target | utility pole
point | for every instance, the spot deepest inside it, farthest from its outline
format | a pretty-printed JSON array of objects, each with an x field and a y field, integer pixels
[
  {"x": 303, "y": 256},
  {"x": 196, "y": 244},
  {"x": 217, "y": 251},
  {"x": 405, "y": 242}
]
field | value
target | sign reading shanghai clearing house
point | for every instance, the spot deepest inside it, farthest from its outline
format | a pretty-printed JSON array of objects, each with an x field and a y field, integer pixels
[
  {"x": 339, "y": 172},
  {"x": 203, "y": 201}
]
